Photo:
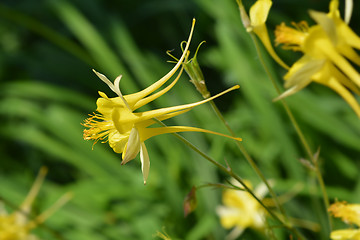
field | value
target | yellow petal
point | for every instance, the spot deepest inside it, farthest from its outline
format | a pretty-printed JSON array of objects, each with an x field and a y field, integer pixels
[
  {"x": 333, "y": 71},
  {"x": 262, "y": 33},
  {"x": 259, "y": 12},
  {"x": 302, "y": 76},
  {"x": 288, "y": 92},
  {"x": 118, "y": 141},
  {"x": 146, "y": 123},
  {"x": 147, "y": 133},
  {"x": 348, "y": 52},
  {"x": 135, "y": 97},
  {"x": 345, "y": 94},
  {"x": 345, "y": 234},
  {"x": 123, "y": 119},
  {"x": 334, "y": 9},
  {"x": 113, "y": 86},
  {"x": 348, "y": 35},
  {"x": 159, "y": 112},
  {"x": 106, "y": 105},
  {"x": 327, "y": 25},
  {"x": 145, "y": 162},
  {"x": 341, "y": 63},
  {"x": 132, "y": 147},
  {"x": 152, "y": 97}
]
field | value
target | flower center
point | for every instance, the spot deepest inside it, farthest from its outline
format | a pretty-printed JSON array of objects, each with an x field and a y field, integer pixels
[
  {"x": 99, "y": 127},
  {"x": 291, "y": 37}
]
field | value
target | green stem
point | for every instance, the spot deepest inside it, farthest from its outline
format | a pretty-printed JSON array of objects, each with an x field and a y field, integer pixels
[
  {"x": 229, "y": 171},
  {"x": 249, "y": 159},
  {"x": 298, "y": 131}
]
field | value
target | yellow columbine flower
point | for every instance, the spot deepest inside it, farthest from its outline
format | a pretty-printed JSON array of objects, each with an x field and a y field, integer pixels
[
  {"x": 17, "y": 225},
  {"x": 127, "y": 130},
  {"x": 328, "y": 49},
  {"x": 256, "y": 23},
  {"x": 350, "y": 214},
  {"x": 241, "y": 210}
]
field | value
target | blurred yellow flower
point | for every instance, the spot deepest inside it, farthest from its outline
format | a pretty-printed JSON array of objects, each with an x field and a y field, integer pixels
[
  {"x": 17, "y": 225},
  {"x": 328, "y": 49},
  {"x": 257, "y": 23},
  {"x": 329, "y": 53},
  {"x": 350, "y": 214},
  {"x": 127, "y": 130},
  {"x": 241, "y": 210}
]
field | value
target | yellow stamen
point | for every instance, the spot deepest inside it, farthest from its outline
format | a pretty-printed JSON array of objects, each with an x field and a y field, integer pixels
[
  {"x": 292, "y": 38},
  {"x": 99, "y": 127}
]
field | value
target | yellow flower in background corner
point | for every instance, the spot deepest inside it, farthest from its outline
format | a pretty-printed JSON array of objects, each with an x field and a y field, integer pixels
[
  {"x": 350, "y": 214},
  {"x": 17, "y": 225},
  {"x": 256, "y": 23},
  {"x": 241, "y": 210},
  {"x": 329, "y": 53},
  {"x": 127, "y": 130}
]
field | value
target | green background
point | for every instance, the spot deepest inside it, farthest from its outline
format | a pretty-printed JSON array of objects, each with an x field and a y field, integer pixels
[{"x": 47, "y": 88}]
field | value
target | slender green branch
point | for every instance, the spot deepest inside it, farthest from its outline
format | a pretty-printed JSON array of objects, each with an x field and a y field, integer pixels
[
  {"x": 298, "y": 131},
  {"x": 249, "y": 160},
  {"x": 235, "y": 176}
]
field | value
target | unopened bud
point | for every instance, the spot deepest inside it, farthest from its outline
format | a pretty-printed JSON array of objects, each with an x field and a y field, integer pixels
[
  {"x": 244, "y": 16},
  {"x": 193, "y": 70}
]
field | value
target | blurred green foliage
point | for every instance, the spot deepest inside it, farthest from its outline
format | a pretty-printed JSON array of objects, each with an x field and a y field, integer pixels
[{"x": 47, "y": 51}]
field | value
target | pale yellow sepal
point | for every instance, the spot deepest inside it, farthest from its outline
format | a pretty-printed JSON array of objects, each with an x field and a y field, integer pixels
[
  {"x": 145, "y": 161},
  {"x": 345, "y": 234},
  {"x": 132, "y": 147}
]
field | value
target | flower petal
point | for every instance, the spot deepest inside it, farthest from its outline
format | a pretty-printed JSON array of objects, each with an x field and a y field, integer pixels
[
  {"x": 152, "y": 97},
  {"x": 348, "y": 10},
  {"x": 118, "y": 141},
  {"x": 345, "y": 234},
  {"x": 345, "y": 94},
  {"x": 341, "y": 63},
  {"x": 133, "y": 98},
  {"x": 147, "y": 133},
  {"x": 326, "y": 23},
  {"x": 132, "y": 147},
  {"x": 301, "y": 72},
  {"x": 162, "y": 111},
  {"x": 145, "y": 161},
  {"x": 259, "y": 12},
  {"x": 263, "y": 35}
]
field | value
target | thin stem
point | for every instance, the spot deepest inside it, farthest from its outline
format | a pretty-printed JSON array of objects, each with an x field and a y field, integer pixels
[
  {"x": 298, "y": 131},
  {"x": 249, "y": 159},
  {"x": 229, "y": 171}
]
